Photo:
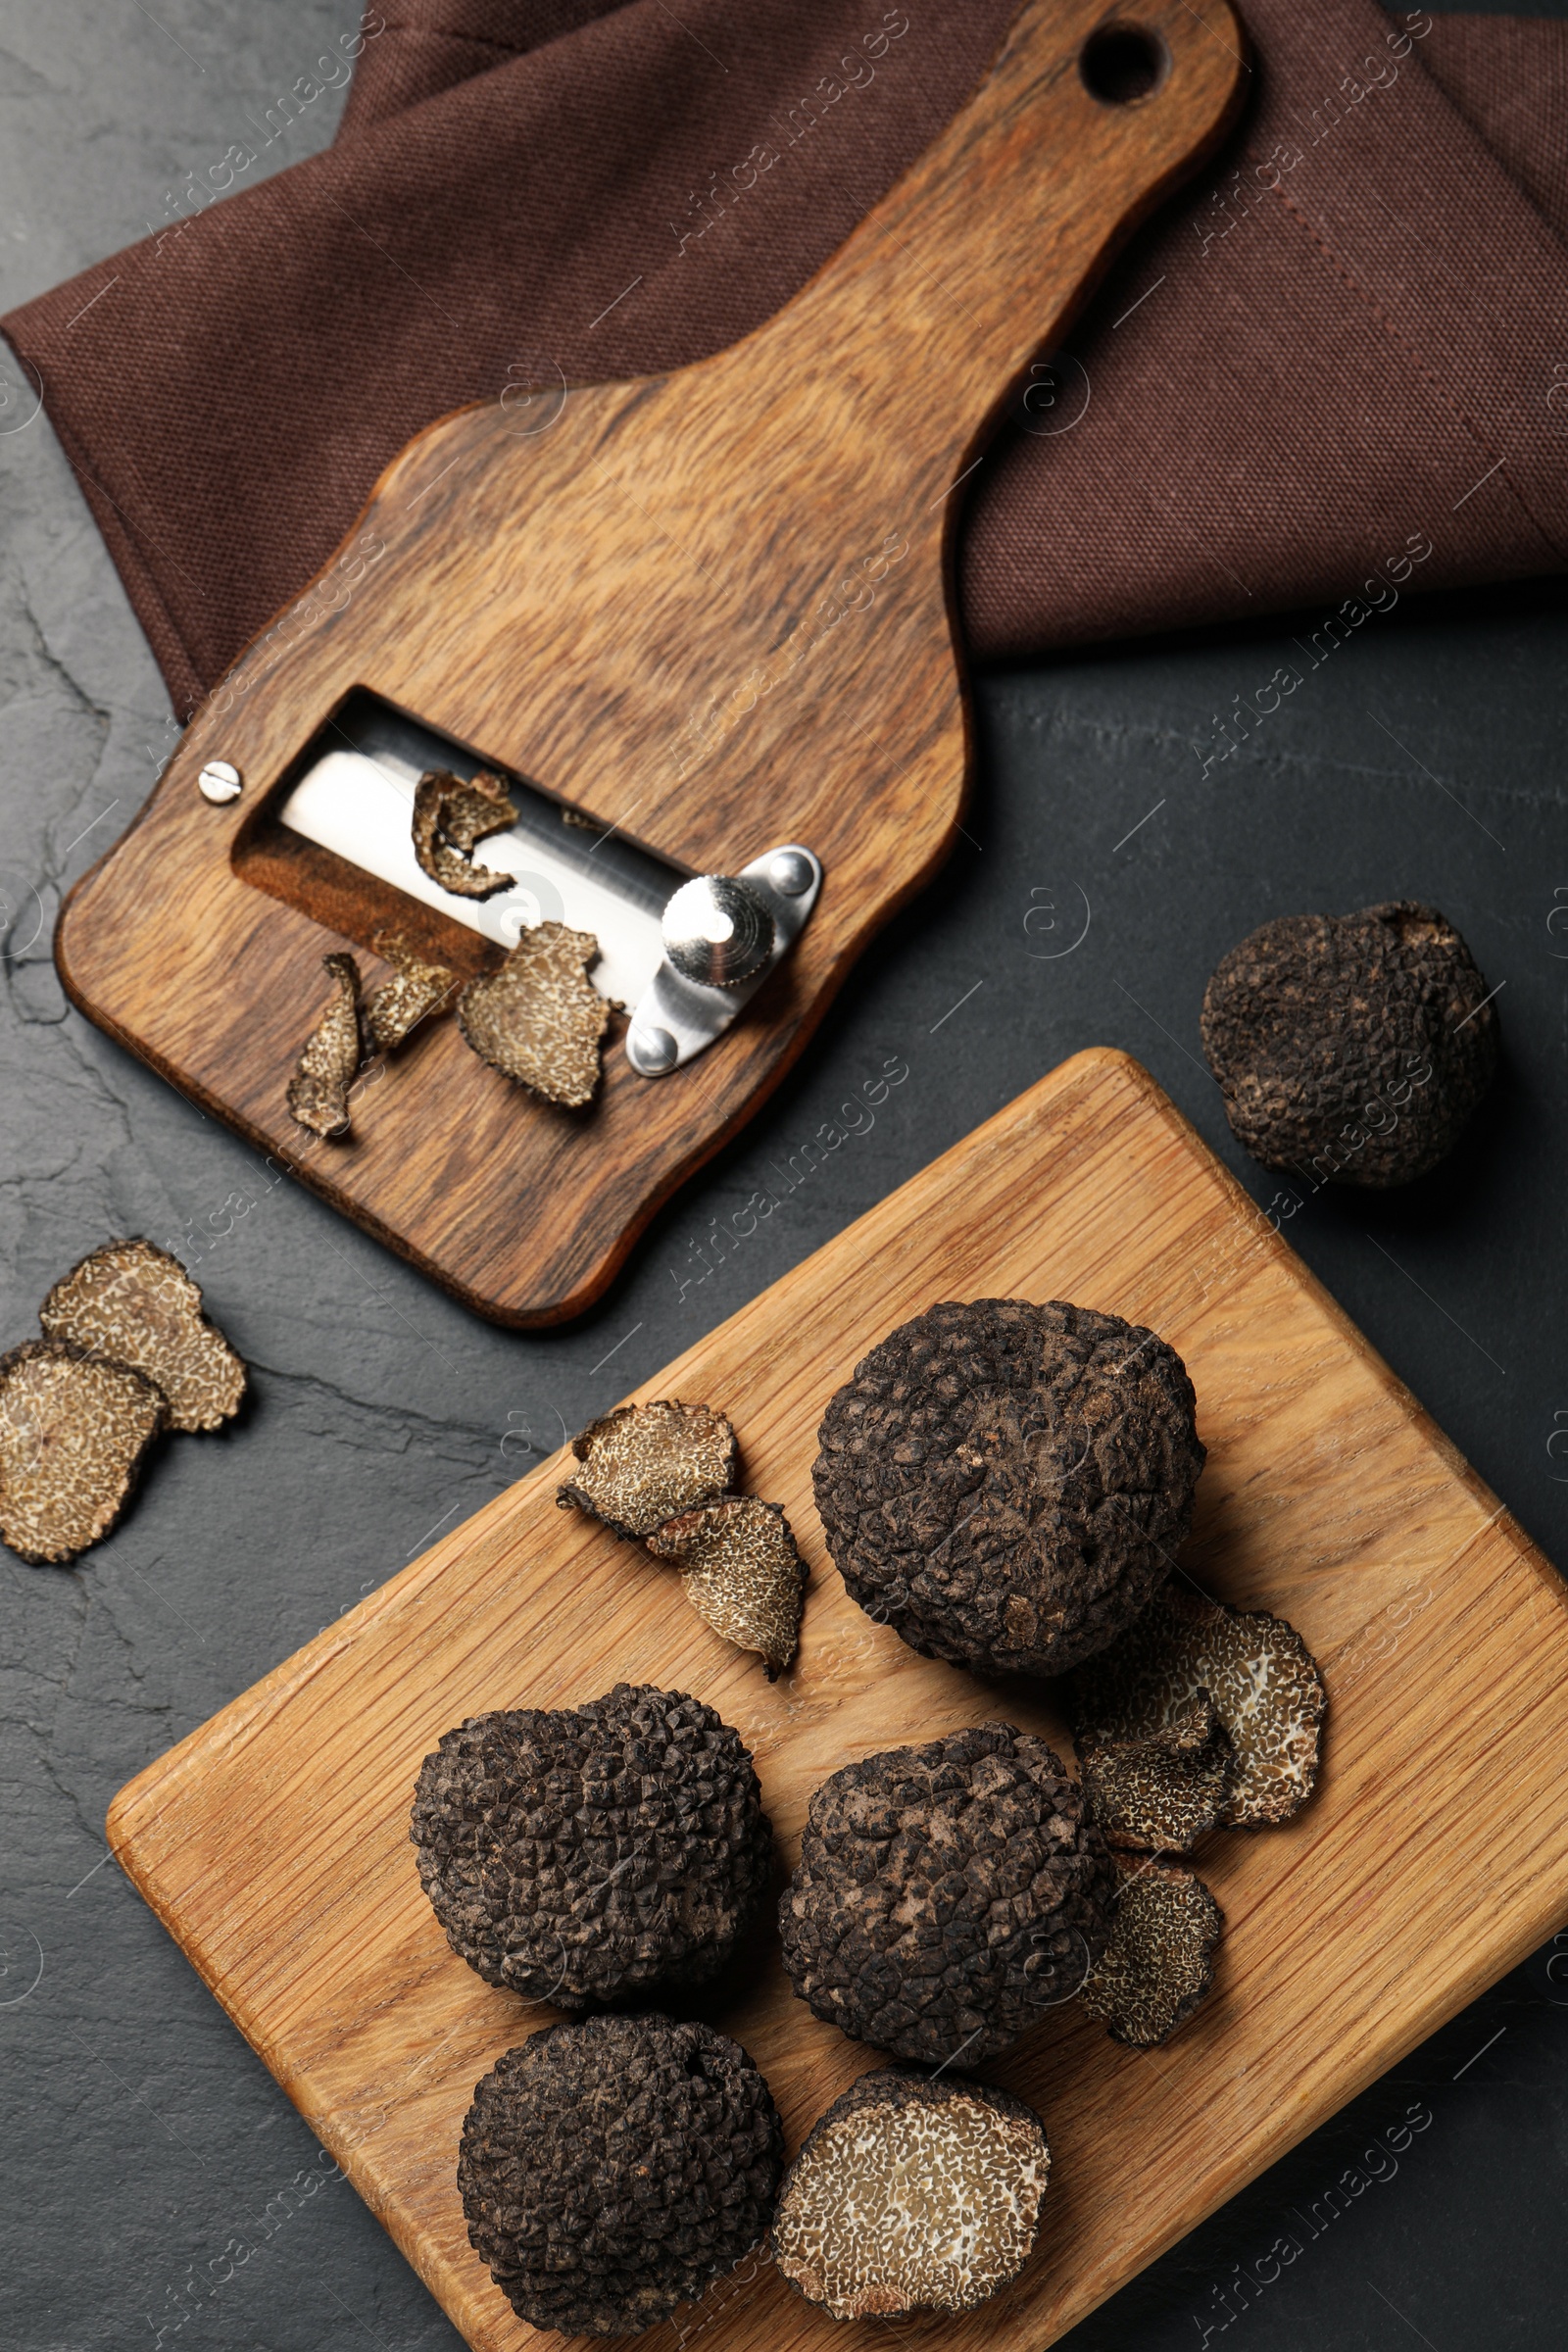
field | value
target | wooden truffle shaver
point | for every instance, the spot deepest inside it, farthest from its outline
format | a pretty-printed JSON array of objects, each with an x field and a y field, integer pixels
[{"x": 703, "y": 622}]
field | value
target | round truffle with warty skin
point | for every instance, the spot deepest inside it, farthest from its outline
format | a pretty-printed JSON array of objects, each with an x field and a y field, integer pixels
[
  {"x": 1005, "y": 1484},
  {"x": 912, "y": 2192},
  {"x": 610, "y": 2167},
  {"x": 1352, "y": 1049},
  {"x": 946, "y": 1895},
  {"x": 584, "y": 1855}
]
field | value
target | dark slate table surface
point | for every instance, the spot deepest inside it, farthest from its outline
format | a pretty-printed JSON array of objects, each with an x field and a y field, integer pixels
[{"x": 144, "y": 2144}]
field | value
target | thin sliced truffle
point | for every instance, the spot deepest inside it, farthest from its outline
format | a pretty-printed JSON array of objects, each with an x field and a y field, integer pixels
[
  {"x": 1164, "y": 1790},
  {"x": 611, "y": 2168},
  {"x": 1159, "y": 1963},
  {"x": 74, "y": 1430},
  {"x": 743, "y": 1574},
  {"x": 318, "y": 1091},
  {"x": 583, "y": 1854},
  {"x": 912, "y": 2193},
  {"x": 641, "y": 1464},
  {"x": 398, "y": 1006},
  {"x": 946, "y": 1895},
  {"x": 133, "y": 1302},
  {"x": 1005, "y": 1484},
  {"x": 1257, "y": 1670},
  {"x": 538, "y": 1019},
  {"x": 450, "y": 817},
  {"x": 1352, "y": 1049}
]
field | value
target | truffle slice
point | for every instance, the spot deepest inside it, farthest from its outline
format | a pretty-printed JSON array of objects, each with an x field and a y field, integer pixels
[
  {"x": 539, "y": 1019},
  {"x": 318, "y": 1091},
  {"x": 912, "y": 2194},
  {"x": 448, "y": 818},
  {"x": 743, "y": 1574},
  {"x": 1351, "y": 1047},
  {"x": 1164, "y": 1790},
  {"x": 1005, "y": 1484},
  {"x": 642, "y": 1463},
  {"x": 398, "y": 1006},
  {"x": 1159, "y": 1963},
  {"x": 74, "y": 1429},
  {"x": 946, "y": 1895},
  {"x": 611, "y": 2168},
  {"x": 582, "y": 1854},
  {"x": 133, "y": 1302},
  {"x": 1256, "y": 1671}
]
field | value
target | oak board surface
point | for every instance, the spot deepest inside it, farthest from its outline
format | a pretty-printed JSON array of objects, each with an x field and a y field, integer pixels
[
  {"x": 274, "y": 1842},
  {"x": 712, "y": 610}
]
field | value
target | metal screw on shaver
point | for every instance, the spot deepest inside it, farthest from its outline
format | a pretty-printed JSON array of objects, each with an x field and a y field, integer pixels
[
  {"x": 718, "y": 931},
  {"x": 723, "y": 933}
]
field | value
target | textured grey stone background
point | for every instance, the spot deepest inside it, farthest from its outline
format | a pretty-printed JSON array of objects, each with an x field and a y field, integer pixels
[{"x": 141, "y": 2136}]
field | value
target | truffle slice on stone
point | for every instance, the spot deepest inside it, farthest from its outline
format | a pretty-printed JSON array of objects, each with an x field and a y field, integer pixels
[
  {"x": 1159, "y": 1963},
  {"x": 133, "y": 1302},
  {"x": 912, "y": 2193},
  {"x": 582, "y": 1854},
  {"x": 946, "y": 1895},
  {"x": 539, "y": 1019},
  {"x": 450, "y": 817},
  {"x": 392, "y": 1011},
  {"x": 641, "y": 1464},
  {"x": 1005, "y": 1484},
  {"x": 318, "y": 1091},
  {"x": 1162, "y": 1792},
  {"x": 611, "y": 2168},
  {"x": 1351, "y": 1047},
  {"x": 74, "y": 1430},
  {"x": 1256, "y": 1672},
  {"x": 741, "y": 1573}
]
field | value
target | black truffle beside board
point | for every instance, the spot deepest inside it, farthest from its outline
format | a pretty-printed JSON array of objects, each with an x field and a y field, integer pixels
[{"x": 273, "y": 1843}]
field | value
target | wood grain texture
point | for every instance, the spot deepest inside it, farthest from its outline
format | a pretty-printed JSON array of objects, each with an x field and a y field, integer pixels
[
  {"x": 713, "y": 609},
  {"x": 273, "y": 1843}
]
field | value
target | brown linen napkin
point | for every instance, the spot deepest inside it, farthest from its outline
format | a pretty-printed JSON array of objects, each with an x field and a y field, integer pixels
[{"x": 1334, "y": 364}]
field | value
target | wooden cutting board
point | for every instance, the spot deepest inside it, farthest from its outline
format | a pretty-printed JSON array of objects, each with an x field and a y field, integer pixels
[
  {"x": 273, "y": 1843},
  {"x": 709, "y": 610}
]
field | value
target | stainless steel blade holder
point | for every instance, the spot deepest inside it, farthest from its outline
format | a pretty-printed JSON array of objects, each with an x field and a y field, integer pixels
[{"x": 723, "y": 933}]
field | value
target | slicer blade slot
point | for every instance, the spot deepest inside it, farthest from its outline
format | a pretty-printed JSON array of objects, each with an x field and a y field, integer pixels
[{"x": 355, "y": 799}]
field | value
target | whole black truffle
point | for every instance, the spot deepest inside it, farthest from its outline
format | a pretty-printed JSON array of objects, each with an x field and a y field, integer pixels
[
  {"x": 914, "y": 2193},
  {"x": 946, "y": 1895},
  {"x": 612, "y": 2166},
  {"x": 1005, "y": 1484},
  {"x": 1350, "y": 1048},
  {"x": 580, "y": 1855}
]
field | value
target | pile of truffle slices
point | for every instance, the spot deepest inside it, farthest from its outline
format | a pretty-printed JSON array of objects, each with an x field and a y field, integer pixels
[
  {"x": 1005, "y": 1485},
  {"x": 126, "y": 1353},
  {"x": 537, "y": 1019}
]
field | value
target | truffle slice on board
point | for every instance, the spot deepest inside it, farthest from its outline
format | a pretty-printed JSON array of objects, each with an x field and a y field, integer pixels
[
  {"x": 742, "y": 1574},
  {"x": 1351, "y": 1047},
  {"x": 539, "y": 1019},
  {"x": 641, "y": 1464},
  {"x": 611, "y": 2168},
  {"x": 448, "y": 818},
  {"x": 912, "y": 2193},
  {"x": 948, "y": 1896},
  {"x": 1256, "y": 1671},
  {"x": 1159, "y": 1963},
  {"x": 1005, "y": 1484},
  {"x": 1161, "y": 1793},
  {"x": 133, "y": 1302},
  {"x": 583, "y": 1854},
  {"x": 318, "y": 1091},
  {"x": 397, "y": 1007},
  {"x": 74, "y": 1429}
]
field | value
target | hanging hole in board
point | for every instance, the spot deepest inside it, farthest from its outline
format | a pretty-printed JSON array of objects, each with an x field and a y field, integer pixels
[{"x": 1122, "y": 63}]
